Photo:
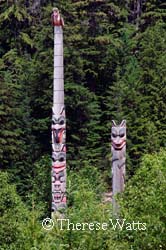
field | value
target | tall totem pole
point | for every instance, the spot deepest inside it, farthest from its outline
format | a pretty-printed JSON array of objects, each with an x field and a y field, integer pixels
[
  {"x": 118, "y": 148},
  {"x": 58, "y": 126}
]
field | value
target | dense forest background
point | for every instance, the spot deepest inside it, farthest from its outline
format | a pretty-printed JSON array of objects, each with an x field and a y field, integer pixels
[{"x": 115, "y": 68}]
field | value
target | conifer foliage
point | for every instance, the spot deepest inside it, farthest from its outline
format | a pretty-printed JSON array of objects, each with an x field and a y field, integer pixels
[{"x": 114, "y": 57}]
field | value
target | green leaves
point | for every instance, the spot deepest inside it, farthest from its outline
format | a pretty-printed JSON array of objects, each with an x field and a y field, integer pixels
[
  {"x": 14, "y": 10},
  {"x": 144, "y": 201},
  {"x": 11, "y": 211},
  {"x": 25, "y": 37},
  {"x": 83, "y": 128},
  {"x": 6, "y": 15}
]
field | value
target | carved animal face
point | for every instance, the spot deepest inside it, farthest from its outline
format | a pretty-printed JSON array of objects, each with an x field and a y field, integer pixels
[
  {"x": 58, "y": 128},
  {"x": 58, "y": 183},
  {"x": 58, "y": 122},
  {"x": 57, "y": 20},
  {"x": 58, "y": 136},
  {"x": 118, "y": 135},
  {"x": 58, "y": 159}
]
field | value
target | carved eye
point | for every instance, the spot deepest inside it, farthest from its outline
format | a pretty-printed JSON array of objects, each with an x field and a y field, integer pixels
[
  {"x": 61, "y": 159},
  {"x": 61, "y": 122},
  {"x": 62, "y": 179},
  {"x": 114, "y": 135},
  {"x": 54, "y": 121},
  {"x": 122, "y": 135}
]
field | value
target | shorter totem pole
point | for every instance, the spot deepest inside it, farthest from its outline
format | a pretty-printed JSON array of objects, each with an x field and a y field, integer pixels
[
  {"x": 118, "y": 148},
  {"x": 58, "y": 119}
]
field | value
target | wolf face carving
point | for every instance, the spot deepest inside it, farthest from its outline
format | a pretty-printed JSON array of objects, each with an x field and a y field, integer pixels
[
  {"x": 118, "y": 148},
  {"x": 118, "y": 137}
]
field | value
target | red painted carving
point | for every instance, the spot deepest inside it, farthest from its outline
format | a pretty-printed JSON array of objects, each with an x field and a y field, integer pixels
[{"x": 56, "y": 18}]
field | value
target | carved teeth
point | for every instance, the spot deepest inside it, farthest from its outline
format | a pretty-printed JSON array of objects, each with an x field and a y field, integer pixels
[{"x": 119, "y": 146}]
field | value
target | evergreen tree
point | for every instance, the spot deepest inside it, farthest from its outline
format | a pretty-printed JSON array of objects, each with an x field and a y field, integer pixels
[{"x": 114, "y": 54}]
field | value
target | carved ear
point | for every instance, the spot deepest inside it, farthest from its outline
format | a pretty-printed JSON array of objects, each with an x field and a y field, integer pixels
[
  {"x": 113, "y": 123},
  {"x": 53, "y": 111},
  {"x": 62, "y": 109},
  {"x": 123, "y": 123}
]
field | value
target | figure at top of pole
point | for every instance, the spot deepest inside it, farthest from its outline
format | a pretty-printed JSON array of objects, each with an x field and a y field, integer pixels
[
  {"x": 56, "y": 18},
  {"x": 58, "y": 126}
]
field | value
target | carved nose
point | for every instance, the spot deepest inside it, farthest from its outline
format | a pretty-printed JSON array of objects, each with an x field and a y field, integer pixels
[
  {"x": 57, "y": 140},
  {"x": 57, "y": 137},
  {"x": 57, "y": 185}
]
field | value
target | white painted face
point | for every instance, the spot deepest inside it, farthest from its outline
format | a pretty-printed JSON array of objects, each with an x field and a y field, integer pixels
[
  {"x": 58, "y": 122},
  {"x": 58, "y": 183},
  {"x": 58, "y": 118},
  {"x": 58, "y": 158},
  {"x": 118, "y": 135}
]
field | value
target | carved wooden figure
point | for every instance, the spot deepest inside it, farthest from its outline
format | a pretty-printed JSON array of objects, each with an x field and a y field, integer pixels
[
  {"x": 58, "y": 126},
  {"x": 118, "y": 148}
]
